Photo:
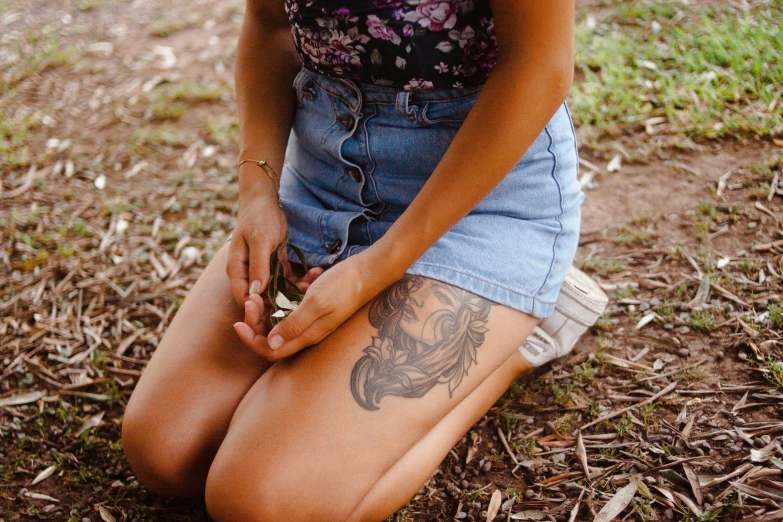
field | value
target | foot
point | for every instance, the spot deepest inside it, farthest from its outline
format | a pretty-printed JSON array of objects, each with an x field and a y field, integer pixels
[{"x": 579, "y": 305}]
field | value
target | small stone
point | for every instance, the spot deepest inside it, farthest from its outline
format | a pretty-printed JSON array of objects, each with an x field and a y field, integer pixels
[
  {"x": 655, "y": 302},
  {"x": 752, "y": 225},
  {"x": 529, "y": 493},
  {"x": 668, "y": 326},
  {"x": 735, "y": 448},
  {"x": 631, "y": 309},
  {"x": 457, "y": 469},
  {"x": 669, "y": 514},
  {"x": 739, "y": 421},
  {"x": 644, "y": 307},
  {"x": 614, "y": 321},
  {"x": 549, "y": 428},
  {"x": 460, "y": 515},
  {"x": 464, "y": 484},
  {"x": 719, "y": 355},
  {"x": 709, "y": 497},
  {"x": 759, "y": 443},
  {"x": 487, "y": 466},
  {"x": 655, "y": 388},
  {"x": 684, "y": 316},
  {"x": 684, "y": 352},
  {"x": 742, "y": 356},
  {"x": 684, "y": 330},
  {"x": 699, "y": 452},
  {"x": 702, "y": 419}
]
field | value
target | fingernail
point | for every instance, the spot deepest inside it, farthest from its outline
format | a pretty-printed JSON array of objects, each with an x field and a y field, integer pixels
[
  {"x": 255, "y": 287},
  {"x": 275, "y": 342}
]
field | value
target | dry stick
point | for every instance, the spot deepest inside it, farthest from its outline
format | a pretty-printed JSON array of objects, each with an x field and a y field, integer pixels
[
  {"x": 608, "y": 416},
  {"x": 505, "y": 445}
]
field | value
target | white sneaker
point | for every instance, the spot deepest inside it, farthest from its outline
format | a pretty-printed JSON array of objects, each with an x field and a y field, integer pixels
[{"x": 579, "y": 305}]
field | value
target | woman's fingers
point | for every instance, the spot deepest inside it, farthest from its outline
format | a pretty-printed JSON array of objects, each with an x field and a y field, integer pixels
[
  {"x": 289, "y": 330},
  {"x": 236, "y": 269},
  {"x": 258, "y": 269},
  {"x": 254, "y": 309},
  {"x": 256, "y": 342}
]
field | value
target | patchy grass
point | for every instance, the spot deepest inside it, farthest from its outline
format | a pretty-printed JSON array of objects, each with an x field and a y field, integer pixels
[
  {"x": 165, "y": 27},
  {"x": 35, "y": 54},
  {"x": 702, "y": 320},
  {"x": 713, "y": 71}
]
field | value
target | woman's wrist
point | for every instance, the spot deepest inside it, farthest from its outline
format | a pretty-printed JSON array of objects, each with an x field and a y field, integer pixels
[
  {"x": 255, "y": 184},
  {"x": 388, "y": 264}
]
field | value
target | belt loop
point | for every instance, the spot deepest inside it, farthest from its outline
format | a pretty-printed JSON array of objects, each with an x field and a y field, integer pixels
[
  {"x": 403, "y": 97},
  {"x": 356, "y": 104}
]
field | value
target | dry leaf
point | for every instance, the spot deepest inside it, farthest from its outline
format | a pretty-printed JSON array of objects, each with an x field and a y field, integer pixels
[
  {"x": 475, "y": 439},
  {"x": 530, "y": 514},
  {"x": 615, "y": 164},
  {"x": 91, "y": 422},
  {"x": 581, "y": 454},
  {"x": 22, "y": 398},
  {"x": 105, "y": 515},
  {"x": 494, "y": 505},
  {"x": 45, "y": 474},
  {"x": 617, "y": 503}
]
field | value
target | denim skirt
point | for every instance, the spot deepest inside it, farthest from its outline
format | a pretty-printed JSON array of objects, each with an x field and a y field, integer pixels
[{"x": 359, "y": 153}]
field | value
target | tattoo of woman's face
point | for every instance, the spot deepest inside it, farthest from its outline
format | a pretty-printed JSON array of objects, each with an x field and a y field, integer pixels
[{"x": 428, "y": 333}]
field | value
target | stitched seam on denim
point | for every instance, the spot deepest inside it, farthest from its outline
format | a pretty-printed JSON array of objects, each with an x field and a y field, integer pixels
[
  {"x": 369, "y": 174},
  {"x": 492, "y": 283},
  {"x": 426, "y": 120},
  {"x": 573, "y": 133},
  {"x": 560, "y": 193}
]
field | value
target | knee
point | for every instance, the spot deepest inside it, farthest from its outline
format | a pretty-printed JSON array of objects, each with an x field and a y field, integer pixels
[
  {"x": 237, "y": 490},
  {"x": 164, "y": 459}
]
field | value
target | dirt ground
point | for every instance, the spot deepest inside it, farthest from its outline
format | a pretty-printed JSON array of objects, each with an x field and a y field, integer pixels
[{"x": 118, "y": 145}]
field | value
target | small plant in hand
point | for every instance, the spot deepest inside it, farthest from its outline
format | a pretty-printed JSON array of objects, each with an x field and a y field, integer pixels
[{"x": 283, "y": 300}]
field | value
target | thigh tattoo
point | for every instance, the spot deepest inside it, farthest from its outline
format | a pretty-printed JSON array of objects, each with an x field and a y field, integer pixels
[{"x": 428, "y": 333}]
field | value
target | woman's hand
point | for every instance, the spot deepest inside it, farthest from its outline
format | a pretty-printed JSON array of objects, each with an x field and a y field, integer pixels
[
  {"x": 331, "y": 299},
  {"x": 261, "y": 226},
  {"x": 257, "y": 323}
]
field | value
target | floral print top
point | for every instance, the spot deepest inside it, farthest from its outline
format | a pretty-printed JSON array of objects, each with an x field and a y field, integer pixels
[{"x": 407, "y": 44}]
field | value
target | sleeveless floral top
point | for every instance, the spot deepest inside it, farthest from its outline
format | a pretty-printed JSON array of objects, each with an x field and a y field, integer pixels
[{"x": 407, "y": 44}]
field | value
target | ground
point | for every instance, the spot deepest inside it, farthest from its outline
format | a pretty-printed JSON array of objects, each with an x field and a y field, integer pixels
[{"x": 118, "y": 139}]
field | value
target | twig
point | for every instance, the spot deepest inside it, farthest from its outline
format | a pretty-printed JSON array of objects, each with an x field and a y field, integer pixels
[{"x": 608, "y": 416}]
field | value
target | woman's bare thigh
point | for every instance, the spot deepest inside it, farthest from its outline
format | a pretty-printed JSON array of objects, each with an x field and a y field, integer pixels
[
  {"x": 320, "y": 428},
  {"x": 186, "y": 396}
]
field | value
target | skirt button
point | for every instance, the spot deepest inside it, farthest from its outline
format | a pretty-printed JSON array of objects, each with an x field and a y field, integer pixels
[{"x": 332, "y": 248}]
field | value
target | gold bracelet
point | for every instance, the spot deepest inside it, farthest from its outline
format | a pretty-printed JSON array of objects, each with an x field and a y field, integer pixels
[{"x": 269, "y": 172}]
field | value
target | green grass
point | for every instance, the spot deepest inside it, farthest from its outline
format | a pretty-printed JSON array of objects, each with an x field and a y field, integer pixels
[
  {"x": 776, "y": 315},
  {"x": 702, "y": 320},
  {"x": 717, "y": 72},
  {"x": 34, "y": 55}
]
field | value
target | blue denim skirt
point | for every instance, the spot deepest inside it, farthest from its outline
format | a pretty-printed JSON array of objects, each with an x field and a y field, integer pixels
[{"x": 358, "y": 154}]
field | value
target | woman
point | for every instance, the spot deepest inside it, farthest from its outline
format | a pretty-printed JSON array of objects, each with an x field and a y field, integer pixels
[{"x": 431, "y": 170}]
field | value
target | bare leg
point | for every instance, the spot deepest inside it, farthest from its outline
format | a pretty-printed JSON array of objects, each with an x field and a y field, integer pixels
[
  {"x": 184, "y": 401},
  {"x": 398, "y": 485},
  {"x": 350, "y": 428}
]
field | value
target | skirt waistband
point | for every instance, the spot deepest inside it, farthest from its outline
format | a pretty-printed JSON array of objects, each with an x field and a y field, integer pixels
[{"x": 357, "y": 93}]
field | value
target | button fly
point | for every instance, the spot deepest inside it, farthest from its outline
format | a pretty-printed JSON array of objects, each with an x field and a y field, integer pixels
[{"x": 333, "y": 247}]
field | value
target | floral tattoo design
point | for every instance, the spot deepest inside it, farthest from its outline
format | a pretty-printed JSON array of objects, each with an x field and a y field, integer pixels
[{"x": 428, "y": 333}]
